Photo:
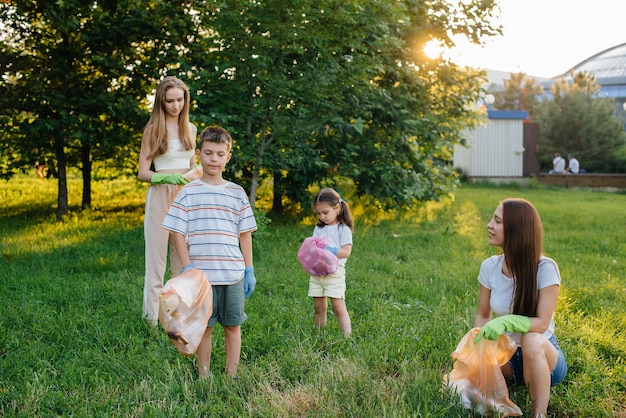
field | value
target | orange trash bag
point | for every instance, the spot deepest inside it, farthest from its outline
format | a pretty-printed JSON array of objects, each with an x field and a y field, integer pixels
[
  {"x": 194, "y": 173},
  {"x": 185, "y": 306},
  {"x": 476, "y": 377}
]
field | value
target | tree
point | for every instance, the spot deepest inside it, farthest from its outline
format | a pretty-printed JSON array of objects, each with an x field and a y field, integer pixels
[
  {"x": 269, "y": 72},
  {"x": 577, "y": 121},
  {"x": 519, "y": 93},
  {"x": 310, "y": 90},
  {"x": 72, "y": 87},
  {"x": 316, "y": 90}
]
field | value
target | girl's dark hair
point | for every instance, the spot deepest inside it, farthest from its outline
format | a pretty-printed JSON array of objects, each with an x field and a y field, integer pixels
[
  {"x": 523, "y": 241},
  {"x": 332, "y": 198}
]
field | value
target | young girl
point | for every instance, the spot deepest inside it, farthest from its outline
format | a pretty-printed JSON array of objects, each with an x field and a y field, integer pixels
[
  {"x": 168, "y": 143},
  {"x": 521, "y": 286},
  {"x": 336, "y": 225}
]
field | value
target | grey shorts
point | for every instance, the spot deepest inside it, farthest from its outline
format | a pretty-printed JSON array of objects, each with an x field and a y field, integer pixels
[{"x": 228, "y": 304}]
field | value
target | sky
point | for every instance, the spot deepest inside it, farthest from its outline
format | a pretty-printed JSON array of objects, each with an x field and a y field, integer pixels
[{"x": 546, "y": 38}]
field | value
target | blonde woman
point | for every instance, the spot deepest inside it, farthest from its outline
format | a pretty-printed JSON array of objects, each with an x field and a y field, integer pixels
[{"x": 167, "y": 147}]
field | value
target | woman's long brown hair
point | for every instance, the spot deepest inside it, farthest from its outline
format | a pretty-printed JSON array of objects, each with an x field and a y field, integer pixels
[
  {"x": 156, "y": 124},
  {"x": 523, "y": 241}
]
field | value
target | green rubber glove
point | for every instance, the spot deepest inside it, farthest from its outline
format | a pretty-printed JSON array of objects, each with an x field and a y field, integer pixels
[
  {"x": 174, "y": 178},
  {"x": 510, "y": 323}
]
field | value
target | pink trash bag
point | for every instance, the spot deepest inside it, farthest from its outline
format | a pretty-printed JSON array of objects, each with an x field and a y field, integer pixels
[
  {"x": 185, "y": 306},
  {"x": 315, "y": 259},
  {"x": 477, "y": 378}
]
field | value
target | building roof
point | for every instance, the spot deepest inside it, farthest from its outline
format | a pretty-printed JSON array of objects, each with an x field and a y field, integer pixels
[
  {"x": 507, "y": 114},
  {"x": 608, "y": 64}
]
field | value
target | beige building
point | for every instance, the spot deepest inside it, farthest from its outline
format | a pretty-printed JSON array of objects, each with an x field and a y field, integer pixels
[{"x": 500, "y": 150}]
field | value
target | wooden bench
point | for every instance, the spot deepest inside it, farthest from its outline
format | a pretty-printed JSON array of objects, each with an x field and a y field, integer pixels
[{"x": 587, "y": 180}]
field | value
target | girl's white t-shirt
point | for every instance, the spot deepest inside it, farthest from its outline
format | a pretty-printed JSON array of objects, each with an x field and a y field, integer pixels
[{"x": 336, "y": 235}]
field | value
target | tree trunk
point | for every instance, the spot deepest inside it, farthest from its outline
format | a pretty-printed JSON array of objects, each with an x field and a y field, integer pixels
[
  {"x": 277, "y": 201},
  {"x": 254, "y": 185},
  {"x": 256, "y": 174},
  {"x": 86, "y": 160},
  {"x": 62, "y": 207}
]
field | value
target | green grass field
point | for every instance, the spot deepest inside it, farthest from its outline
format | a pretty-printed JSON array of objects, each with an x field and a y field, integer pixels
[{"x": 72, "y": 342}]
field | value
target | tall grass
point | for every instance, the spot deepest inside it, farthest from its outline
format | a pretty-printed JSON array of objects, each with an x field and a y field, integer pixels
[{"x": 72, "y": 341}]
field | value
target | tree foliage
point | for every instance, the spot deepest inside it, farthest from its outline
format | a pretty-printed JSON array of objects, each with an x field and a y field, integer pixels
[
  {"x": 75, "y": 80},
  {"x": 577, "y": 121},
  {"x": 312, "y": 91},
  {"x": 519, "y": 93}
]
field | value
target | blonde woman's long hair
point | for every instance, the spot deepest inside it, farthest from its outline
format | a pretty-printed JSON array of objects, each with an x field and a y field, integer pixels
[{"x": 156, "y": 125}]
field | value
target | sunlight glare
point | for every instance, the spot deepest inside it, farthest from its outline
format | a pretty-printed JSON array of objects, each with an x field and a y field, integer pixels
[{"x": 433, "y": 49}]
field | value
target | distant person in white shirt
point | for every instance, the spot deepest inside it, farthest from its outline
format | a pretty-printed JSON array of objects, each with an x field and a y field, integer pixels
[
  {"x": 574, "y": 165},
  {"x": 558, "y": 164}
]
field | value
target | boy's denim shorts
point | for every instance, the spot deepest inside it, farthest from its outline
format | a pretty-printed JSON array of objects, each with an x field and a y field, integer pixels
[
  {"x": 557, "y": 375},
  {"x": 228, "y": 304}
]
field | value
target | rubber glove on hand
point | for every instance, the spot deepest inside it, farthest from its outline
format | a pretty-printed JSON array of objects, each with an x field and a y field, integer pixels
[
  {"x": 187, "y": 267},
  {"x": 510, "y": 323},
  {"x": 249, "y": 281},
  {"x": 173, "y": 178},
  {"x": 333, "y": 250}
]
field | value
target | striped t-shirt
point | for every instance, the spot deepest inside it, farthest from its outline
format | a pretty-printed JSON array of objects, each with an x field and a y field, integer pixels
[{"x": 211, "y": 218}]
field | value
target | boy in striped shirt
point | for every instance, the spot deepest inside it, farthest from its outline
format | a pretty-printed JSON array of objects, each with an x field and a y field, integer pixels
[{"x": 211, "y": 221}]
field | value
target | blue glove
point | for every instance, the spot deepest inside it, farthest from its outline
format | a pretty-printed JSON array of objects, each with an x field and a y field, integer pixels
[
  {"x": 187, "y": 267},
  {"x": 333, "y": 250},
  {"x": 249, "y": 281}
]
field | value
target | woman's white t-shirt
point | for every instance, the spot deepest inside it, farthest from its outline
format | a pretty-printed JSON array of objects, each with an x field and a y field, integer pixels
[{"x": 502, "y": 287}]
